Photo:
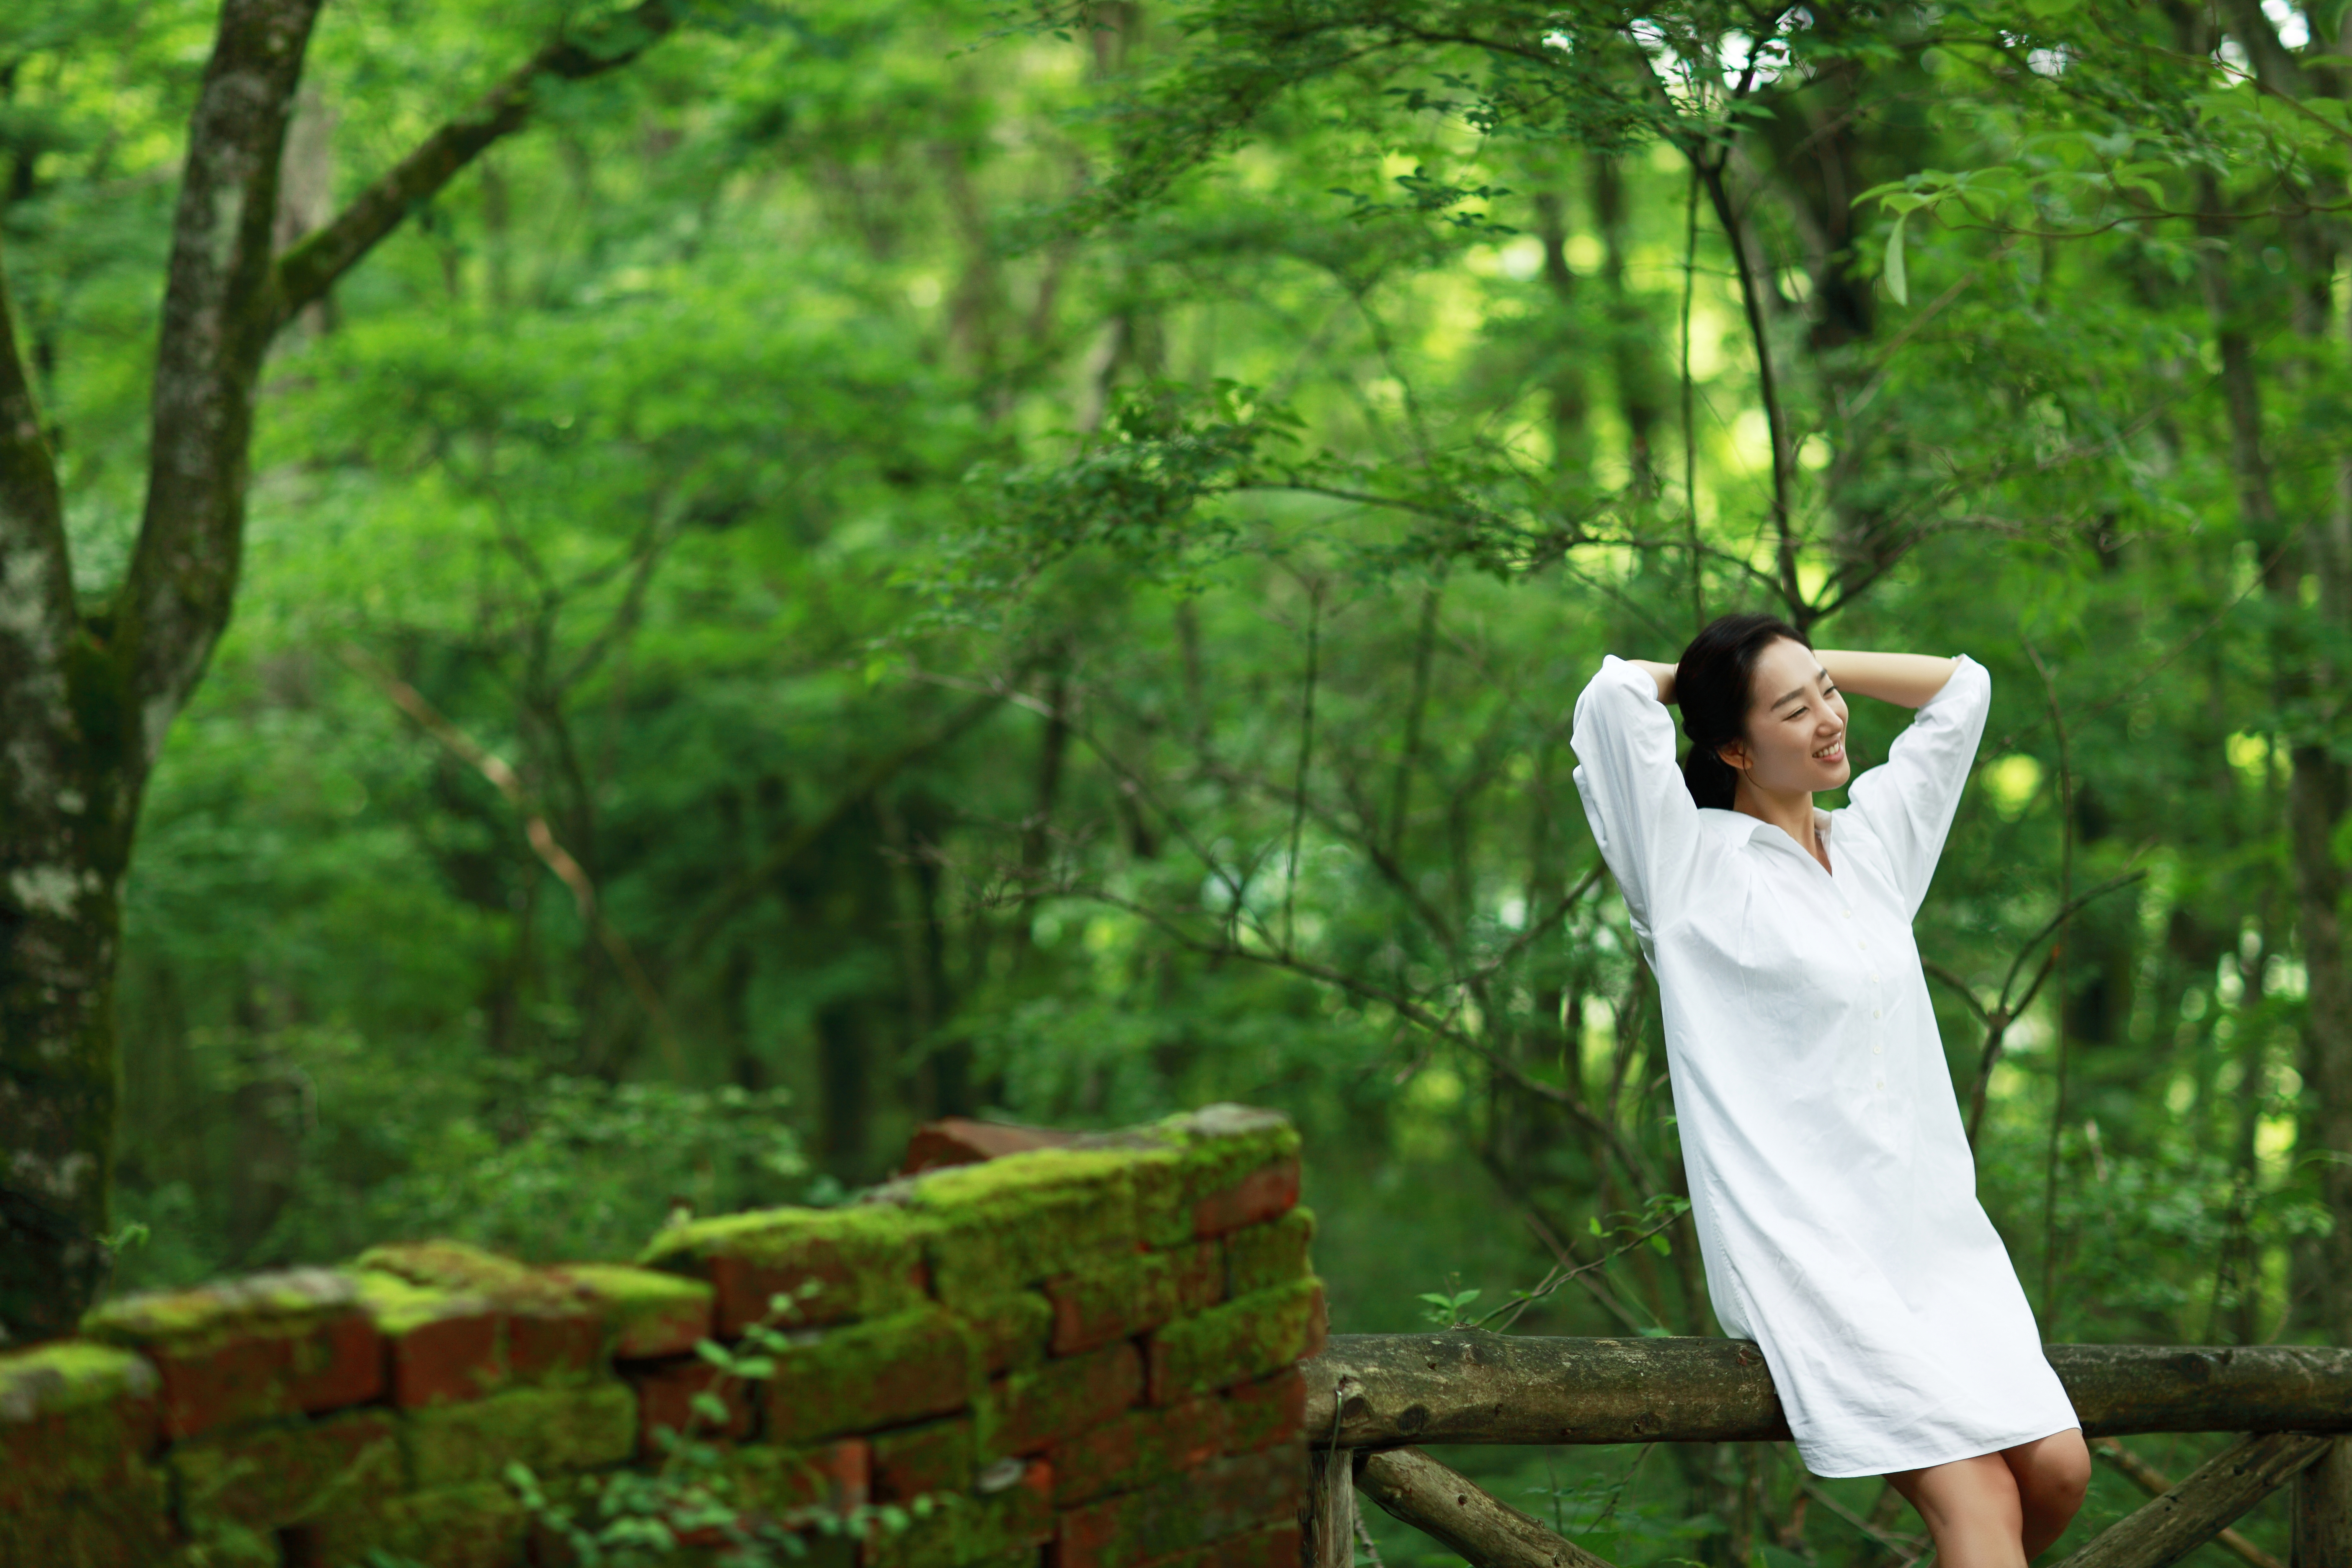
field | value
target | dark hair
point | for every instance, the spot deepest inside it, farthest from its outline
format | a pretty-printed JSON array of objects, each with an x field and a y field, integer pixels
[{"x": 1712, "y": 683}]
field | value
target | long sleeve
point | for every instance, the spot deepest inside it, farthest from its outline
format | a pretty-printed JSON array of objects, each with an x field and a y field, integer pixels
[
  {"x": 1908, "y": 800},
  {"x": 1641, "y": 813}
]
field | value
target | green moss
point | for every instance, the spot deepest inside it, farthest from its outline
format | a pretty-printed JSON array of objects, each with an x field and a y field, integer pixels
[
  {"x": 1244, "y": 1339},
  {"x": 858, "y": 1261},
  {"x": 971, "y": 1532},
  {"x": 1013, "y": 1330},
  {"x": 1028, "y": 1410},
  {"x": 291, "y": 1297},
  {"x": 68, "y": 1375},
  {"x": 1216, "y": 1147},
  {"x": 398, "y": 1308},
  {"x": 457, "y": 1267},
  {"x": 783, "y": 1234},
  {"x": 547, "y": 1429},
  {"x": 931, "y": 1457},
  {"x": 1260, "y": 1257},
  {"x": 1011, "y": 1222},
  {"x": 779, "y": 1482},
  {"x": 126, "y": 1523},
  {"x": 1117, "y": 1297},
  {"x": 478, "y": 1526},
  {"x": 628, "y": 1293},
  {"x": 288, "y": 1474},
  {"x": 649, "y": 1311},
  {"x": 877, "y": 1373}
]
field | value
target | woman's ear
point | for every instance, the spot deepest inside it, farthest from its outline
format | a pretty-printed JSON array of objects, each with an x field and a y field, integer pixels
[{"x": 1733, "y": 755}]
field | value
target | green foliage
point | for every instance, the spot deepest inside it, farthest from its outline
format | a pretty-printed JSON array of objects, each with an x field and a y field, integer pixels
[{"x": 1039, "y": 565}]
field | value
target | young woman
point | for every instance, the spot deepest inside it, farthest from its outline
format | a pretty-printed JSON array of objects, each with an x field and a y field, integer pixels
[{"x": 1830, "y": 1180}]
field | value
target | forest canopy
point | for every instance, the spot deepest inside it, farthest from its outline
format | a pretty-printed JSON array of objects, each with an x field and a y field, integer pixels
[{"x": 741, "y": 576}]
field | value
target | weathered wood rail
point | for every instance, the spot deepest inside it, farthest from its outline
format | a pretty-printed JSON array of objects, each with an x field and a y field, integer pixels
[{"x": 1372, "y": 1399}]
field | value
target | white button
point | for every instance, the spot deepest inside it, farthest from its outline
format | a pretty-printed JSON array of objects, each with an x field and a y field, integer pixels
[
  {"x": 1877, "y": 1050},
  {"x": 1882, "y": 1083},
  {"x": 1848, "y": 914},
  {"x": 1873, "y": 976},
  {"x": 1862, "y": 945},
  {"x": 1874, "y": 1012}
]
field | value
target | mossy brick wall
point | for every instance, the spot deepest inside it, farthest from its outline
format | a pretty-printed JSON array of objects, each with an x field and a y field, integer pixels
[{"x": 1082, "y": 1357}]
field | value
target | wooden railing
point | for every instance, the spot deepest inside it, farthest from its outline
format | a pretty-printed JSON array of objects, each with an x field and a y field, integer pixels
[{"x": 1372, "y": 1399}]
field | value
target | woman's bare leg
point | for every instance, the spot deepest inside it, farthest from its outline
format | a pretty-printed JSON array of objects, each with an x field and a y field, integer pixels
[
  {"x": 1972, "y": 1511},
  {"x": 2052, "y": 1474}
]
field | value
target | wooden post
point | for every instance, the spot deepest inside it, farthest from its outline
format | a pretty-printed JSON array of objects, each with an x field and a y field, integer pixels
[
  {"x": 1487, "y": 1531},
  {"x": 1469, "y": 1386},
  {"x": 2323, "y": 1509},
  {"x": 1327, "y": 1518},
  {"x": 2155, "y": 1483},
  {"x": 2214, "y": 1494}
]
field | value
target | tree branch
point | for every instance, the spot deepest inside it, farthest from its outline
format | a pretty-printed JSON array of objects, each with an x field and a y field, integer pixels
[
  {"x": 311, "y": 267},
  {"x": 558, "y": 860},
  {"x": 35, "y": 577},
  {"x": 217, "y": 324},
  {"x": 789, "y": 845},
  {"x": 1767, "y": 386}
]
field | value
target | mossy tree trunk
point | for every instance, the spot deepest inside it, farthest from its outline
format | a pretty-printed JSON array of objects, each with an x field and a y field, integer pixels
[{"x": 87, "y": 691}]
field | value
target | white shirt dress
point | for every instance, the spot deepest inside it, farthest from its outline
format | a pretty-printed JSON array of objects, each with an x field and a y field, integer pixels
[{"x": 1831, "y": 1179}]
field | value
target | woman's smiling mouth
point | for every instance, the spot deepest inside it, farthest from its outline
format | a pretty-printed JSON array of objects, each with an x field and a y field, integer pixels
[{"x": 1832, "y": 753}]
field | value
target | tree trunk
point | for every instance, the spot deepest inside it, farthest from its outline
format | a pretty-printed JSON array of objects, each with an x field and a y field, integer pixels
[{"x": 85, "y": 699}]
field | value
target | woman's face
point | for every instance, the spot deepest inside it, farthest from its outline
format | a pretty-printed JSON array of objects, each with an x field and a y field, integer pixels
[{"x": 1796, "y": 725}]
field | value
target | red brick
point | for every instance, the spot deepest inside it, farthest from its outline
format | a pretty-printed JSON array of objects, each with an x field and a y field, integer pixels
[
  {"x": 884, "y": 1372},
  {"x": 772, "y": 1482},
  {"x": 1271, "y": 1410},
  {"x": 250, "y": 1374},
  {"x": 936, "y": 1457},
  {"x": 94, "y": 1446},
  {"x": 1199, "y": 1275},
  {"x": 1265, "y": 1193},
  {"x": 270, "y": 1345},
  {"x": 1138, "y": 1449},
  {"x": 543, "y": 1345},
  {"x": 447, "y": 1361},
  {"x": 268, "y": 1477},
  {"x": 745, "y": 1289},
  {"x": 665, "y": 1402},
  {"x": 1276, "y": 1547},
  {"x": 1221, "y": 1499},
  {"x": 1014, "y": 1331},
  {"x": 338, "y": 1364},
  {"x": 1252, "y": 1337},
  {"x": 482, "y": 1525},
  {"x": 1110, "y": 1300},
  {"x": 650, "y": 1313},
  {"x": 125, "y": 1523},
  {"x": 960, "y": 1141},
  {"x": 1003, "y": 1526},
  {"x": 1064, "y": 1395},
  {"x": 1260, "y": 1257}
]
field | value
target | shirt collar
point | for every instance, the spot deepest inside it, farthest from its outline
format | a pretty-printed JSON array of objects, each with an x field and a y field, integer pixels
[{"x": 1736, "y": 829}]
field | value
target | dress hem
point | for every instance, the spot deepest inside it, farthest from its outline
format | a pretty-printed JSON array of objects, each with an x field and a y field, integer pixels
[{"x": 1975, "y": 1448}]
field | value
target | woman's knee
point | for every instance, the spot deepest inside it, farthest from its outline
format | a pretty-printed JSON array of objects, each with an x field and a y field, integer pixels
[{"x": 2054, "y": 1475}]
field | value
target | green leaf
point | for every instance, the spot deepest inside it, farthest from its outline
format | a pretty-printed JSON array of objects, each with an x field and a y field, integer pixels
[{"x": 1897, "y": 285}]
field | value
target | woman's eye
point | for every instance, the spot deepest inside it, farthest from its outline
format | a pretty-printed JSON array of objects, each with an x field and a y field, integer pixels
[{"x": 1797, "y": 713}]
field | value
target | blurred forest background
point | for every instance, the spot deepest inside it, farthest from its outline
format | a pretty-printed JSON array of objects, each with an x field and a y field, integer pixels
[{"x": 892, "y": 557}]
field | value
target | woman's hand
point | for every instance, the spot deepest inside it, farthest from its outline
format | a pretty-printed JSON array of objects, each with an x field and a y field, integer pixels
[
  {"x": 1664, "y": 674},
  {"x": 1906, "y": 680}
]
